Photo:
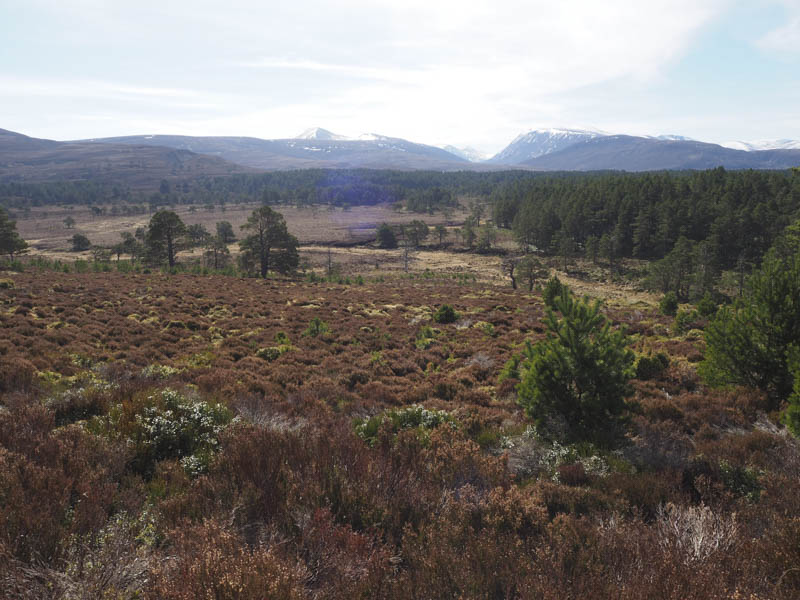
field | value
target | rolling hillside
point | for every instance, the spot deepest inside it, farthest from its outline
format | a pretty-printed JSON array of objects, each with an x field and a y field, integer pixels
[{"x": 26, "y": 159}]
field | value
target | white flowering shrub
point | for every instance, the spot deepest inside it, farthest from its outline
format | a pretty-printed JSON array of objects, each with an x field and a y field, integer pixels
[
  {"x": 530, "y": 454},
  {"x": 411, "y": 417},
  {"x": 166, "y": 425},
  {"x": 178, "y": 427}
]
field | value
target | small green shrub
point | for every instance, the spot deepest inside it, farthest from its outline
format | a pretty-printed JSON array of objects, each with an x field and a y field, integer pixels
[
  {"x": 411, "y": 417},
  {"x": 649, "y": 366},
  {"x": 6, "y": 284},
  {"x": 684, "y": 320},
  {"x": 552, "y": 290},
  {"x": 425, "y": 337},
  {"x": 742, "y": 481},
  {"x": 445, "y": 314},
  {"x": 669, "y": 304},
  {"x": 791, "y": 416},
  {"x": 706, "y": 306},
  {"x": 272, "y": 352},
  {"x": 157, "y": 371},
  {"x": 316, "y": 327},
  {"x": 486, "y": 328}
]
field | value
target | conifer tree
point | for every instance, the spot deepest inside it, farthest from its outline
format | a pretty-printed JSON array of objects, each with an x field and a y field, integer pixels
[{"x": 579, "y": 374}]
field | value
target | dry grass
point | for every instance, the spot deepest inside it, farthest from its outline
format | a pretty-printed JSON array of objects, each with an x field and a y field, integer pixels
[{"x": 45, "y": 231}]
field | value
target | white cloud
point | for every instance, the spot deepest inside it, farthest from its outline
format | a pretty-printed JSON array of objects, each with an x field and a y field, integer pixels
[
  {"x": 783, "y": 39},
  {"x": 465, "y": 72}
]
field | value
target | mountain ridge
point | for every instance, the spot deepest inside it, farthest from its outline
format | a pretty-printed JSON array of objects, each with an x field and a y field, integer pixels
[
  {"x": 635, "y": 153},
  {"x": 369, "y": 151},
  {"x": 141, "y": 158}
]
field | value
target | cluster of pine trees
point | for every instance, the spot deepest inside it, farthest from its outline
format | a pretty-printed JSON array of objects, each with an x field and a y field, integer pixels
[{"x": 723, "y": 216}]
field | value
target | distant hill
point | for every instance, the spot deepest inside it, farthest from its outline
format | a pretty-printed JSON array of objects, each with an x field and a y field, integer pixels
[
  {"x": 468, "y": 153},
  {"x": 539, "y": 142},
  {"x": 316, "y": 148},
  {"x": 143, "y": 160},
  {"x": 630, "y": 153},
  {"x": 26, "y": 159}
]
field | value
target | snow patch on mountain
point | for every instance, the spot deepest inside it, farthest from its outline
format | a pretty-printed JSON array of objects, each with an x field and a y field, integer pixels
[
  {"x": 671, "y": 137},
  {"x": 318, "y": 133},
  {"x": 763, "y": 145},
  {"x": 372, "y": 137}
]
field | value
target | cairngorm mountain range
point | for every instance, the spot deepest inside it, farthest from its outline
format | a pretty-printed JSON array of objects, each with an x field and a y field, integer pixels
[{"x": 140, "y": 158}]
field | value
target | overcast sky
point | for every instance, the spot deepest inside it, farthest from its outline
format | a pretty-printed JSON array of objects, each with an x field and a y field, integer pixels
[{"x": 468, "y": 73}]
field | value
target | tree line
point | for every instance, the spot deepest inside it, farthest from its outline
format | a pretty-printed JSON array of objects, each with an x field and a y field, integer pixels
[
  {"x": 419, "y": 191},
  {"x": 738, "y": 214}
]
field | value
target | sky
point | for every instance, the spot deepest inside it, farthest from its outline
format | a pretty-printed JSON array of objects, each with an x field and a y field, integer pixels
[{"x": 467, "y": 73}]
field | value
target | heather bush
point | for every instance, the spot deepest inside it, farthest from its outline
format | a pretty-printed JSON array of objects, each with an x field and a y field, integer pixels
[
  {"x": 461, "y": 498},
  {"x": 211, "y": 561},
  {"x": 16, "y": 374},
  {"x": 54, "y": 482}
]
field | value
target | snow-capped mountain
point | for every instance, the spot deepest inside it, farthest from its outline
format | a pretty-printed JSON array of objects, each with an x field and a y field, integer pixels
[
  {"x": 467, "y": 153},
  {"x": 316, "y": 148},
  {"x": 539, "y": 142},
  {"x": 763, "y": 145},
  {"x": 318, "y": 133},
  {"x": 541, "y": 149},
  {"x": 635, "y": 153}
]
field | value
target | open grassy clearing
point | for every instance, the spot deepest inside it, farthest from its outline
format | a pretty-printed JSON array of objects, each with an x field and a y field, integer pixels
[{"x": 44, "y": 228}]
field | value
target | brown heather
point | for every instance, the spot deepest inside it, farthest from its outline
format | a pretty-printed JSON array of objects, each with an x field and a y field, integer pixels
[{"x": 699, "y": 502}]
